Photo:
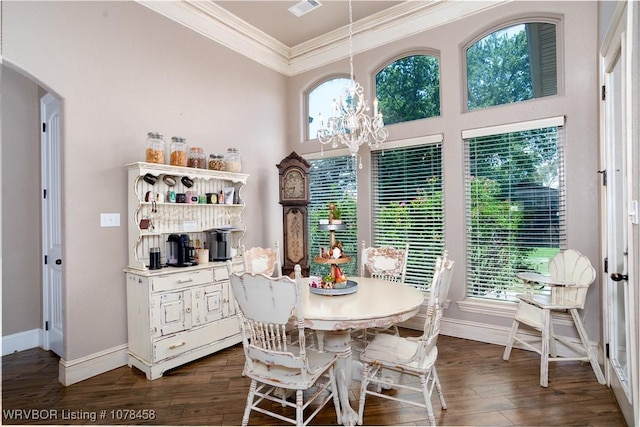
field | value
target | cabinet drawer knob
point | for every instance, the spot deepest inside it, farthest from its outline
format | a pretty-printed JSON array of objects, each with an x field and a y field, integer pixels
[
  {"x": 172, "y": 346},
  {"x": 185, "y": 280},
  {"x": 188, "y": 309}
]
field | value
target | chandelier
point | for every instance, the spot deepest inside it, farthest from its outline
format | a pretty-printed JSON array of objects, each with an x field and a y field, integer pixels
[{"x": 350, "y": 123}]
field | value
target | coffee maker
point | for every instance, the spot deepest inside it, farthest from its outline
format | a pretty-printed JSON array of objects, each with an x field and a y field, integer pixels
[
  {"x": 179, "y": 252},
  {"x": 219, "y": 244}
]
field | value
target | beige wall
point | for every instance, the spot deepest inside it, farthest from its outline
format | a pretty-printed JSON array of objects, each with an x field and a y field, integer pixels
[
  {"x": 21, "y": 272},
  {"x": 122, "y": 70},
  {"x": 578, "y": 102}
]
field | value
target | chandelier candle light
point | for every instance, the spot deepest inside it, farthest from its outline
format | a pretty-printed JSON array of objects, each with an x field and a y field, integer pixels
[{"x": 350, "y": 123}]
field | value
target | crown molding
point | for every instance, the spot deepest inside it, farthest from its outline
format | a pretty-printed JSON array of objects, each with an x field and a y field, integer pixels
[
  {"x": 396, "y": 23},
  {"x": 215, "y": 23}
]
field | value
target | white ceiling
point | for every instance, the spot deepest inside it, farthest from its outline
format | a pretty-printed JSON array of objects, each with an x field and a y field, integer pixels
[
  {"x": 266, "y": 32},
  {"x": 273, "y": 17}
]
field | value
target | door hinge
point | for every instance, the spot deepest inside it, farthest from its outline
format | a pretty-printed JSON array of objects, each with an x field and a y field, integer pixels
[
  {"x": 45, "y": 260},
  {"x": 606, "y": 350},
  {"x": 603, "y": 93},
  {"x": 44, "y": 193},
  {"x": 44, "y": 127},
  {"x": 46, "y": 325},
  {"x": 604, "y": 176},
  {"x": 606, "y": 265}
]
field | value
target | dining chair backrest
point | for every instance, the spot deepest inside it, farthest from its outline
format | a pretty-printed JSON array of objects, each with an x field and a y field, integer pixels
[
  {"x": 385, "y": 262},
  {"x": 438, "y": 293},
  {"x": 431, "y": 328},
  {"x": 441, "y": 281},
  {"x": 265, "y": 305},
  {"x": 263, "y": 260},
  {"x": 572, "y": 267}
]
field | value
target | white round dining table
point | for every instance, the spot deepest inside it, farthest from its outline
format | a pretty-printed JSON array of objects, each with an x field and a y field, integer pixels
[{"x": 376, "y": 303}]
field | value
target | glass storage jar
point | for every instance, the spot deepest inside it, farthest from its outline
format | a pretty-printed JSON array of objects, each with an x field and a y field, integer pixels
[
  {"x": 196, "y": 158},
  {"x": 232, "y": 160},
  {"x": 216, "y": 162},
  {"x": 178, "y": 151},
  {"x": 156, "y": 148}
]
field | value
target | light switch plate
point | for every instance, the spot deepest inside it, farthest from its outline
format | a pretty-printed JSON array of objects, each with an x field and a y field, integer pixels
[{"x": 109, "y": 220}]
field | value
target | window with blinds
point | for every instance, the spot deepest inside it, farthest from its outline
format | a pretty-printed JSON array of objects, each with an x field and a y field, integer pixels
[
  {"x": 333, "y": 180},
  {"x": 515, "y": 204},
  {"x": 407, "y": 206}
]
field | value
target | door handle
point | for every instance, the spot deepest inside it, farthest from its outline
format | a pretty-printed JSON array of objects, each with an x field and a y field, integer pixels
[
  {"x": 58, "y": 262},
  {"x": 616, "y": 277}
]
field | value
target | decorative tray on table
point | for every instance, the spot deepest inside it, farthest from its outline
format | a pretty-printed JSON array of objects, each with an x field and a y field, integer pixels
[{"x": 349, "y": 288}]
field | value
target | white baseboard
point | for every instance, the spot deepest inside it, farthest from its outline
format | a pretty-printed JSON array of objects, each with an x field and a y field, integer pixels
[
  {"x": 21, "y": 341},
  {"x": 73, "y": 371}
]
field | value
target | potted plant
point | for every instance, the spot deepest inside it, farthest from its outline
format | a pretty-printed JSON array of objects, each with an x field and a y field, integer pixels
[{"x": 337, "y": 214}]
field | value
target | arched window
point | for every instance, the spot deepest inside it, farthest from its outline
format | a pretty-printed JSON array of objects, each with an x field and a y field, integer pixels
[
  {"x": 513, "y": 64},
  {"x": 319, "y": 102},
  {"x": 409, "y": 89}
]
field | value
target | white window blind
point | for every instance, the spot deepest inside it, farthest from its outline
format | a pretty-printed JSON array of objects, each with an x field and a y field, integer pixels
[
  {"x": 515, "y": 205},
  {"x": 333, "y": 180},
  {"x": 407, "y": 206}
]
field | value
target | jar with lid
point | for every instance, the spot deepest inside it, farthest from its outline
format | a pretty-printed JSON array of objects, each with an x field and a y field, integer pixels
[
  {"x": 156, "y": 148},
  {"x": 232, "y": 160},
  {"x": 178, "y": 151},
  {"x": 196, "y": 158},
  {"x": 216, "y": 162}
]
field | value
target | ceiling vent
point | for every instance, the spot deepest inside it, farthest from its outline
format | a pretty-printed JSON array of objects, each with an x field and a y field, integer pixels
[{"x": 305, "y": 6}]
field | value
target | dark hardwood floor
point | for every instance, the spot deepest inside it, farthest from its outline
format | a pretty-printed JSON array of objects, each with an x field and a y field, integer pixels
[{"x": 480, "y": 389}]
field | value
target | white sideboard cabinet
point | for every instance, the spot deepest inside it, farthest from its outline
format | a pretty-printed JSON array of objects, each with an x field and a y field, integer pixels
[{"x": 179, "y": 314}]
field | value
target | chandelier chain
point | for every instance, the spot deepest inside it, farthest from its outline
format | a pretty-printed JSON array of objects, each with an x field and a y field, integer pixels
[
  {"x": 350, "y": 123},
  {"x": 351, "y": 43}
]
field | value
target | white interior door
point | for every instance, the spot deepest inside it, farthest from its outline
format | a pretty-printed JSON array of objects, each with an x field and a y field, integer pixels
[
  {"x": 51, "y": 226},
  {"x": 619, "y": 308}
]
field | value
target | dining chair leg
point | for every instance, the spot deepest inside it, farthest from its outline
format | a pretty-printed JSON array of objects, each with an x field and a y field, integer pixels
[
  {"x": 364, "y": 383},
  {"x": 544, "y": 349},
  {"x": 424, "y": 381},
  {"x": 436, "y": 379},
  {"x": 587, "y": 348},
  {"x": 552, "y": 337},
  {"x": 512, "y": 334},
  {"x": 250, "y": 397},
  {"x": 299, "y": 413}
]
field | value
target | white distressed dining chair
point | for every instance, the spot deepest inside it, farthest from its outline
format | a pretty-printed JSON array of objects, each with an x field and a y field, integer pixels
[
  {"x": 267, "y": 261},
  {"x": 386, "y": 263},
  {"x": 407, "y": 356},
  {"x": 263, "y": 260},
  {"x": 570, "y": 275},
  {"x": 265, "y": 306}
]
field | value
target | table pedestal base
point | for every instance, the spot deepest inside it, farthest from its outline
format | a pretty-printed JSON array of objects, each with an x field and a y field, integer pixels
[{"x": 339, "y": 342}]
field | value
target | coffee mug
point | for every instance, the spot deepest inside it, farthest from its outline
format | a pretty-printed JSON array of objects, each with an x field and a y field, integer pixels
[
  {"x": 202, "y": 256},
  {"x": 150, "y": 179},
  {"x": 169, "y": 180},
  {"x": 187, "y": 182}
]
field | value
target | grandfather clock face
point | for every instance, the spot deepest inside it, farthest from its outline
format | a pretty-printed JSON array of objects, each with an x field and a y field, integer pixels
[{"x": 294, "y": 185}]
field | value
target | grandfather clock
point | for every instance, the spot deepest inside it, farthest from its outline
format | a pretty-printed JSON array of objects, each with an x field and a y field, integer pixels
[{"x": 294, "y": 198}]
